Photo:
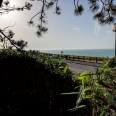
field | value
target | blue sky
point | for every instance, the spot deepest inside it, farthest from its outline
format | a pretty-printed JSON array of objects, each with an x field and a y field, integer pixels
[{"x": 65, "y": 30}]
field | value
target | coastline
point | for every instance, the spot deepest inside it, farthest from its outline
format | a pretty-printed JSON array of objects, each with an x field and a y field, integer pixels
[{"x": 84, "y": 52}]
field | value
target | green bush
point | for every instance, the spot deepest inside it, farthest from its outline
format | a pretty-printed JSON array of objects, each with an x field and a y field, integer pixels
[
  {"x": 112, "y": 62},
  {"x": 96, "y": 95},
  {"x": 29, "y": 86}
]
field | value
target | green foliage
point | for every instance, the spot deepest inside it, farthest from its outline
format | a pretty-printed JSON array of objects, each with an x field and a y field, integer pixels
[
  {"x": 84, "y": 77},
  {"x": 99, "y": 90},
  {"x": 112, "y": 62},
  {"x": 94, "y": 94},
  {"x": 30, "y": 84}
]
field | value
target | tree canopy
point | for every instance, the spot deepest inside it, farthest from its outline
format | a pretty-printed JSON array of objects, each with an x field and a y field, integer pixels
[
  {"x": 7, "y": 35},
  {"x": 104, "y": 15}
]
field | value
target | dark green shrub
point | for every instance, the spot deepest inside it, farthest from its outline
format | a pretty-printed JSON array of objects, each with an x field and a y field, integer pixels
[
  {"x": 27, "y": 87},
  {"x": 112, "y": 62}
]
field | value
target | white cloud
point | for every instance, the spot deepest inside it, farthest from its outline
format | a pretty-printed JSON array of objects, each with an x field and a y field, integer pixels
[
  {"x": 108, "y": 31},
  {"x": 97, "y": 27},
  {"x": 77, "y": 29},
  {"x": 9, "y": 18}
]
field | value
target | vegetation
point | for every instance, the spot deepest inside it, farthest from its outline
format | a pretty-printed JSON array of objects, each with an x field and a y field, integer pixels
[
  {"x": 35, "y": 83},
  {"x": 104, "y": 15},
  {"x": 30, "y": 84},
  {"x": 7, "y": 35},
  {"x": 96, "y": 95}
]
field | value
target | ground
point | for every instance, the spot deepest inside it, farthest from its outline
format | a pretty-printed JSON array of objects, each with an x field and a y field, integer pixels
[{"x": 80, "y": 66}]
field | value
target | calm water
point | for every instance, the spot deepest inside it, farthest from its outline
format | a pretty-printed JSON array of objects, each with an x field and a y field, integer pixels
[{"x": 85, "y": 52}]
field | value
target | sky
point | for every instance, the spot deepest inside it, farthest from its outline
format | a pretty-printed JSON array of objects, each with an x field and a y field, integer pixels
[{"x": 64, "y": 31}]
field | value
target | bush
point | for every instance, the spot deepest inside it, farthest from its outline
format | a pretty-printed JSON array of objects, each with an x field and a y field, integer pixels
[
  {"x": 27, "y": 87},
  {"x": 112, "y": 62}
]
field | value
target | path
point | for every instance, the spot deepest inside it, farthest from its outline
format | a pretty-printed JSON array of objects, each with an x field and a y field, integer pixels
[{"x": 80, "y": 66}]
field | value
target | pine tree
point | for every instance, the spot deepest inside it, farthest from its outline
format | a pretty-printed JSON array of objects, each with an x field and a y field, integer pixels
[{"x": 105, "y": 15}]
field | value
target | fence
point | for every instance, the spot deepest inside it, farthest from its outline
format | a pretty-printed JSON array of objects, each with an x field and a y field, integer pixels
[{"x": 78, "y": 58}]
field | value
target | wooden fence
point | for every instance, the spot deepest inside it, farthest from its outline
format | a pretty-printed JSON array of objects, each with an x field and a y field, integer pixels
[{"x": 78, "y": 58}]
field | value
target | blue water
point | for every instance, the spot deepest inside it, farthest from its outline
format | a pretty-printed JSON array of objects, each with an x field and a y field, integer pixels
[{"x": 85, "y": 52}]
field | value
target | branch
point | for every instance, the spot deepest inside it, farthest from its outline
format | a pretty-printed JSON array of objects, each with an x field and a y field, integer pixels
[
  {"x": 74, "y": 4},
  {"x": 8, "y": 27},
  {"x": 9, "y": 39}
]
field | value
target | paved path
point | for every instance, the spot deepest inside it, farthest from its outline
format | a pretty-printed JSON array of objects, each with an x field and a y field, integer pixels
[{"x": 80, "y": 66}]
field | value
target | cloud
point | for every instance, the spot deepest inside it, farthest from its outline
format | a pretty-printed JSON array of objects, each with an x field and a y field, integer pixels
[
  {"x": 77, "y": 29},
  {"x": 27, "y": 27},
  {"x": 9, "y": 18},
  {"x": 97, "y": 27},
  {"x": 108, "y": 31}
]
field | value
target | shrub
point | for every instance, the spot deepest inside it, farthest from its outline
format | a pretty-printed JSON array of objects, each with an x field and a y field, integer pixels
[{"x": 27, "y": 87}]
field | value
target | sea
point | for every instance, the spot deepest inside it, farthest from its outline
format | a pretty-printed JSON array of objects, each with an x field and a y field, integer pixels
[{"x": 110, "y": 53}]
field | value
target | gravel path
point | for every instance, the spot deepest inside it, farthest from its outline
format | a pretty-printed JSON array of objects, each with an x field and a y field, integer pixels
[{"x": 80, "y": 66}]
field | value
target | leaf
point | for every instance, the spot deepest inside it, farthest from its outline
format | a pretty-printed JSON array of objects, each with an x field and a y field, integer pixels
[
  {"x": 106, "y": 65},
  {"x": 86, "y": 89},
  {"x": 76, "y": 87},
  {"x": 85, "y": 74},
  {"x": 88, "y": 96},
  {"x": 79, "y": 10},
  {"x": 71, "y": 93},
  {"x": 84, "y": 94},
  {"x": 107, "y": 70},
  {"x": 79, "y": 98},
  {"x": 76, "y": 108},
  {"x": 65, "y": 68},
  {"x": 85, "y": 77},
  {"x": 102, "y": 113},
  {"x": 97, "y": 84}
]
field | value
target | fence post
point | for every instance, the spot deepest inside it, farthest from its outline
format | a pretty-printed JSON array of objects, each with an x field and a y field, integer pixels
[
  {"x": 66, "y": 57},
  {"x": 96, "y": 59},
  {"x": 69, "y": 57},
  {"x": 89, "y": 59},
  {"x": 83, "y": 58},
  {"x": 78, "y": 57},
  {"x": 73, "y": 58},
  {"x": 58, "y": 56}
]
